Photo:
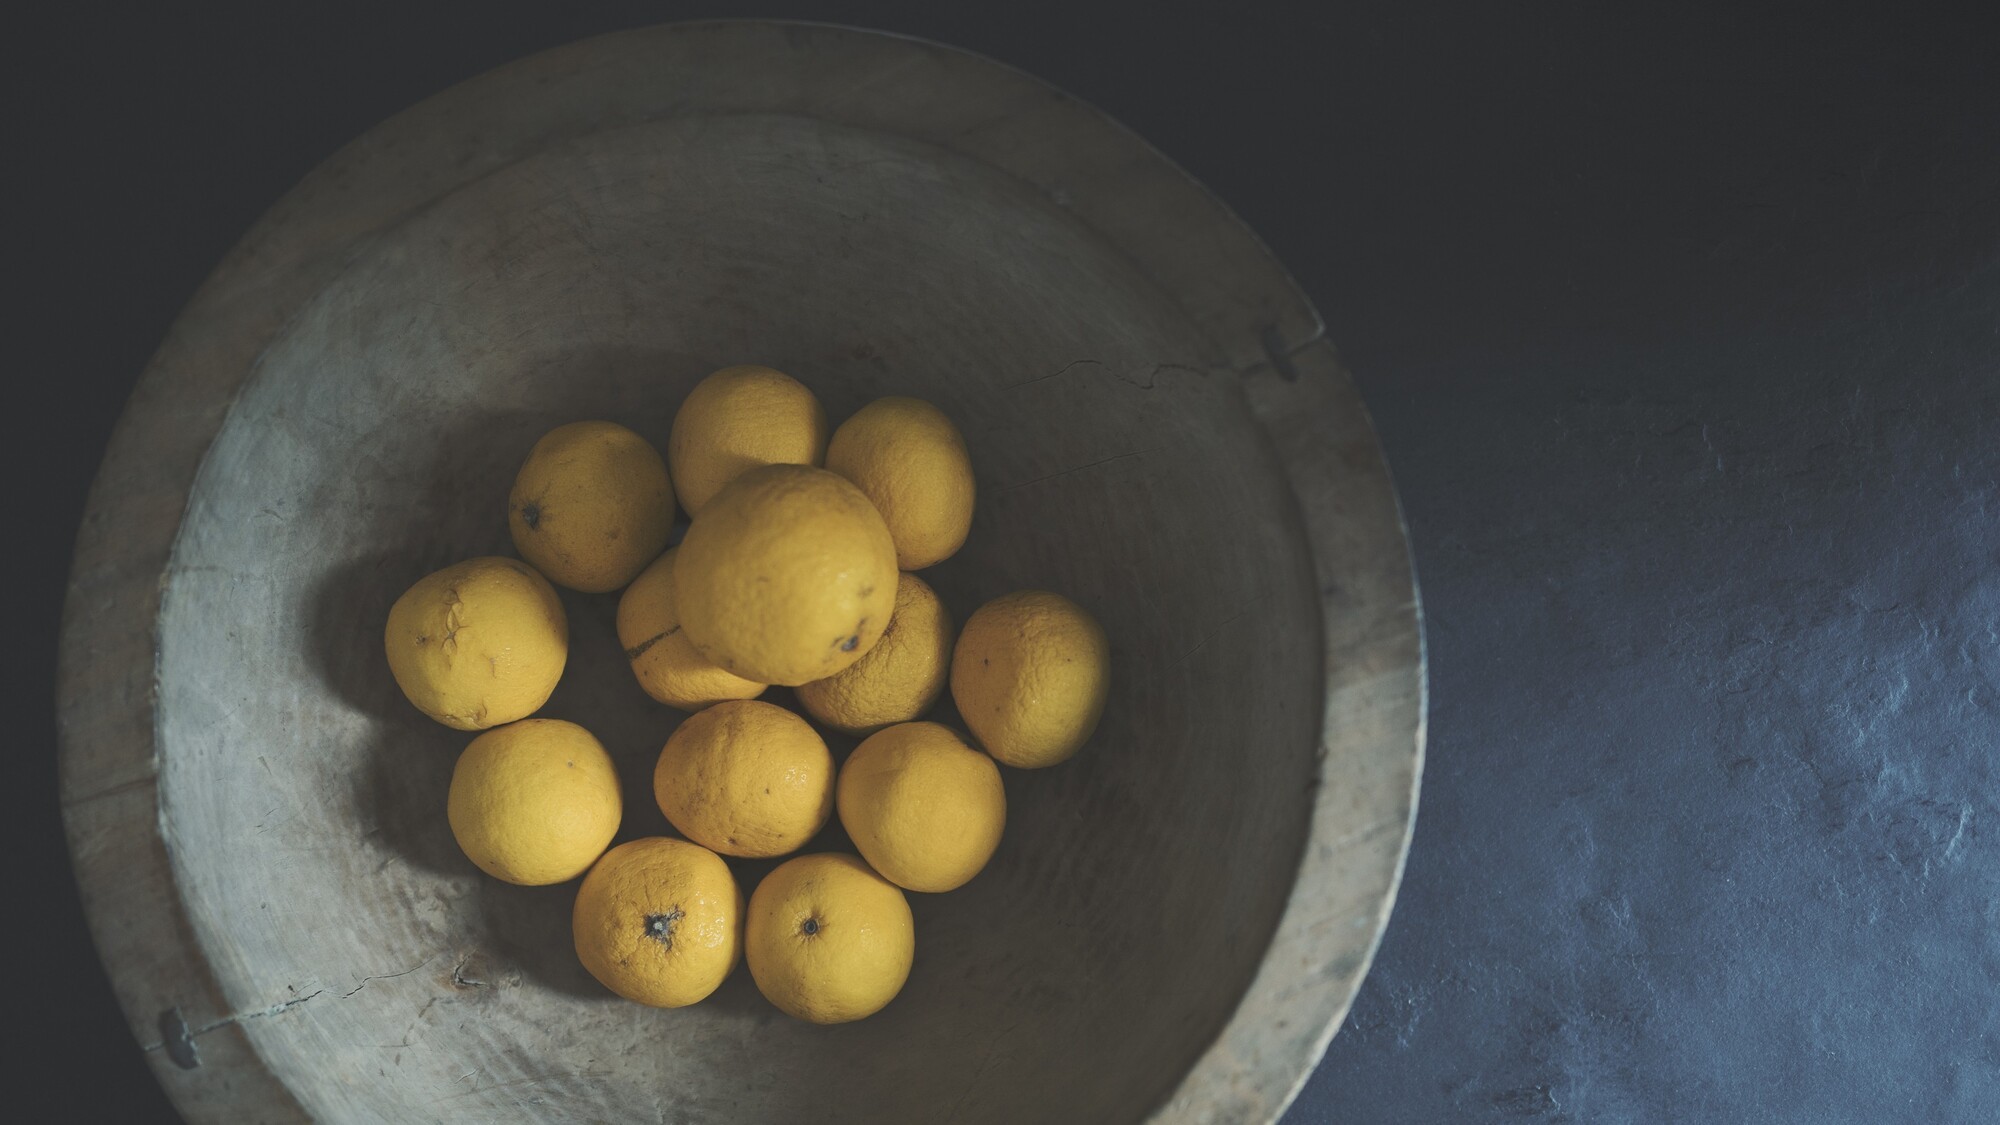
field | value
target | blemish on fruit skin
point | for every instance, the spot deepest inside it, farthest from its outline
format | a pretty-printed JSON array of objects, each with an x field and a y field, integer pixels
[
  {"x": 854, "y": 640},
  {"x": 531, "y": 514},
  {"x": 639, "y": 650}
]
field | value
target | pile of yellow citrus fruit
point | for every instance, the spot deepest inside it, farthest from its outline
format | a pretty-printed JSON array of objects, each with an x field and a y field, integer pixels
[{"x": 794, "y": 569}]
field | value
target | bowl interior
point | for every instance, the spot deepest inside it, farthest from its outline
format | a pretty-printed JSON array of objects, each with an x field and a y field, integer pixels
[{"x": 303, "y": 799}]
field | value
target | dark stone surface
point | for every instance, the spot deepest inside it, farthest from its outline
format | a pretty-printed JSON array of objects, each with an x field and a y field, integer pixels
[{"x": 1682, "y": 331}]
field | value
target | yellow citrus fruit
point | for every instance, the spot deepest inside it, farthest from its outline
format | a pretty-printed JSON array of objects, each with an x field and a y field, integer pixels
[
  {"x": 1030, "y": 675},
  {"x": 745, "y": 778},
  {"x": 922, "y": 807},
  {"x": 827, "y": 939},
  {"x": 591, "y": 506},
  {"x": 479, "y": 643},
  {"x": 900, "y": 677},
  {"x": 659, "y": 921},
  {"x": 668, "y": 667},
  {"x": 911, "y": 461},
  {"x": 787, "y": 576},
  {"x": 534, "y": 802},
  {"x": 737, "y": 419}
]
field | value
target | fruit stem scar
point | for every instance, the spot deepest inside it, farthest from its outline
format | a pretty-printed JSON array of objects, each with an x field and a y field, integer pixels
[
  {"x": 660, "y": 927},
  {"x": 809, "y": 927}
]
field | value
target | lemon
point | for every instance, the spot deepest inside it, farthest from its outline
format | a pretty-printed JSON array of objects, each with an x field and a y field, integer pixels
[
  {"x": 737, "y": 419},
  {"x": 479, "y": 643},
  {"x": 787, "y": 576},
  {"x": 591, "y": 506},
  {"x": 922, "y": 807},
  {"x": 1030, "y": 674},
  {"x": 534, "y": 802},
  {"x": 911, "y": 462},
  {"x": 827, "y": 939},
  {"x": 900, "y": 677},
  {"x": 668, "y": 667},
  {"x": 659, "y": 921},
  {"x": 745, "y": 778}
]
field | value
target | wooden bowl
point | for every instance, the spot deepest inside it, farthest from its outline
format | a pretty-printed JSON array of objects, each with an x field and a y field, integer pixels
[{"x": 1178, "y": 916}]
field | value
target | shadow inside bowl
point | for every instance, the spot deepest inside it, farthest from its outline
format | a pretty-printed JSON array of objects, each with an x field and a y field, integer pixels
[{"x": 528, "y": 929}]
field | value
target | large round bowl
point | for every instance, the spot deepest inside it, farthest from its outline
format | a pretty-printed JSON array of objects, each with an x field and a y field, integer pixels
[{"x": 1178, "y": 916}]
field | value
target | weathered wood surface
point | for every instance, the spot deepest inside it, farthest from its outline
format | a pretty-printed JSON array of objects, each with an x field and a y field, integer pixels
[{"x": 1177, "y": 919}]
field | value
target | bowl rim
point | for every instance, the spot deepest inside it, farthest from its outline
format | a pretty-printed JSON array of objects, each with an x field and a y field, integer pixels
[{"x": 1371, "y": 748}]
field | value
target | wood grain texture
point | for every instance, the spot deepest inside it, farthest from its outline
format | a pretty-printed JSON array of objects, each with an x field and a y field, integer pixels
[{"x": 1177, "y": 918}]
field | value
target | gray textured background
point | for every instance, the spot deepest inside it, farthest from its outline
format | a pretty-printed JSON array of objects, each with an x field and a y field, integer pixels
[{"x": 1682, "y": 331}]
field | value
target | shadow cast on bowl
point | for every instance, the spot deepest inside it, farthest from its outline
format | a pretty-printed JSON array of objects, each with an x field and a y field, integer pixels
[{"x": 528, "y": 929}]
